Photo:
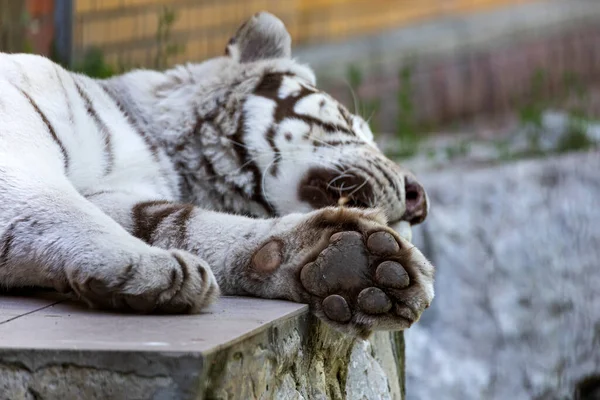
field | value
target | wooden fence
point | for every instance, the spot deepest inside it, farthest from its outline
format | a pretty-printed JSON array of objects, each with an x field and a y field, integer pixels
[
  {"x": 129, "y": 31},
  {"x": 12, "y": 28}
]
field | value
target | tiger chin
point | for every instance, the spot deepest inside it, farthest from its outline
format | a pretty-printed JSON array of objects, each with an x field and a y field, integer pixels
[{"x": 156, "y": 191}]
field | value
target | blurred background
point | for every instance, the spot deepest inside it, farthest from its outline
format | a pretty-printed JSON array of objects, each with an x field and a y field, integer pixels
[{"x": 495, "y": 104}]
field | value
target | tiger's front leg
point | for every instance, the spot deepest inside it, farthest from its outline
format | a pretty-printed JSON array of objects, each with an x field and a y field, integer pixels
[
  {"x": 50, "y": 236},
  {"x": 355, "y": 272}
]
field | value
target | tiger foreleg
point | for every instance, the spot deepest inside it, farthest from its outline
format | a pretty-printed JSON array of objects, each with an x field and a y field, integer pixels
[
  {"x": 51, "y": 236},
  {"x": 356, "y": 273}
]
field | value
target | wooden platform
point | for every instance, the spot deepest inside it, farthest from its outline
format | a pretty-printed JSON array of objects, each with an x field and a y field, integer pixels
[
  {"x": 51, "y": 323},
  {"x": 239, "y": 348}
]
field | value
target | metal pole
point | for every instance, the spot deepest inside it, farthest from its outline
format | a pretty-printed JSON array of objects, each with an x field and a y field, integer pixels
[{"x": 63, "y": 31}]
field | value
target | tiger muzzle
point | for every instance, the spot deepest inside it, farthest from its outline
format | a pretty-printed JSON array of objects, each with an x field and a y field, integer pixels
[{"x": 322, "y": 187}]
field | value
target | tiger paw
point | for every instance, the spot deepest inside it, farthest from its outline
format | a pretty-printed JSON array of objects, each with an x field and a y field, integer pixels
[
  {"x": 368, "y": 279},
  {"x": 170, "y": 282}
]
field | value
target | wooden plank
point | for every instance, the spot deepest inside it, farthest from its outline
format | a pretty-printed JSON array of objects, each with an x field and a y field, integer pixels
[
  {"x": 73, "y": 326},
  {"x": 83, "y": 6},
  {"x": 466, "y": 6}
]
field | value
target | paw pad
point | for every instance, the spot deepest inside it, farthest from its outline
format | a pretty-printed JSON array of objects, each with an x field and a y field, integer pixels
[
  {"x": 268, "y": 258},
  {"x": 336, "y": 308},
  {"x": 382, "y": 244},
  {"x": 373, "y": 301},
  {"x": 338, "y": 268},
  {"x": 311, "y": 277},
  {"x": 392, "y": 274}
]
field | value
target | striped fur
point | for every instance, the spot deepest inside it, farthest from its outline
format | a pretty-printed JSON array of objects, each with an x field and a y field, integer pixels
[{"x": 149, "y": 190}]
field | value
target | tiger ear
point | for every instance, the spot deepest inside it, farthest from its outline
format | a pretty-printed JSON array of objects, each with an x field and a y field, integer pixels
[{"x": 262, "y": 37}]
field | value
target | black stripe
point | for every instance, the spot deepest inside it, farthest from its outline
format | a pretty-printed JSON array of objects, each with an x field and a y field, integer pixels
[
  {"x": 209, "y": 168},
  {"x": 269, "y": 85},
  {"x": 173, "y": 279},
  {"x": 244, "y": 159},
  {"x": 346, "y": 115},
  {"x": 99, "y": 193},
  {"x": 102, "y": 127},
  {"x": 326, "y": 126},
  {"x": 335, "y": 143},
  {"x": 377, "y": 164},
  {"x": 8, "y": 238},
  {"x": 274, "y": 166},
  {"x": 186, "y": 182},
  {"x": 66, "y": 95},
  {"x": 149, "y": 143},
  {"x": 394, "y": 167},
  {"x": 24, "y": 76},
  {"x": 185, "y": 273},
  {"x": 147, "y": 221},
  {"x": 49, "y": 126},
  {"x": 180, "y": 223}
]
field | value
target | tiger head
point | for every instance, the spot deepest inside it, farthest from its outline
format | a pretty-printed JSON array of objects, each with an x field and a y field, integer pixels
[{"x": 297, "y": 148}]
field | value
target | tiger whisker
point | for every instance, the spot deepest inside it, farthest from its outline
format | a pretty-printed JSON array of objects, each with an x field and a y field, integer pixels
[
  {"x": 341, "y": 191},
  {"x": 339, "y": 177},
  {"x": 360, "y": 186},
  {"x": 341, "y": 188},
  {"x": 354, "y": 97},
  {"x": 264, "y": 176},
  {"x": 368, "y": 120}
]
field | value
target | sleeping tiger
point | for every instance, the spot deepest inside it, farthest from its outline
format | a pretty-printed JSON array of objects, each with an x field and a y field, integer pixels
[{"x": 156, "y": 191}]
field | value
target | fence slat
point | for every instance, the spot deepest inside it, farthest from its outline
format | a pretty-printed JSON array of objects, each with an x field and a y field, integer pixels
[{"x": 12, "y": 30}]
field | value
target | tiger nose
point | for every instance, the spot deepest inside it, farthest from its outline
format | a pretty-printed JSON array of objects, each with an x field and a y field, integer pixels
[{"x": 416, "y": 201}]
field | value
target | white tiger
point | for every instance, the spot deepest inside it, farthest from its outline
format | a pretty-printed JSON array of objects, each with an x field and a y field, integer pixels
[{"x": 150, "y": 190}]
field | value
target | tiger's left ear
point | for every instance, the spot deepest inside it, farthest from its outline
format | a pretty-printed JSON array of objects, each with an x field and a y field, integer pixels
[{"x": 262, "y": 37}]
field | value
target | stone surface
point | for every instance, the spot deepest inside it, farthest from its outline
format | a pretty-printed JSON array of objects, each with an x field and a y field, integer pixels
[
  {"x": 304, "y": 359},
  {"x": 517, "y": 307},
  {"x": 240, "y": 348}
]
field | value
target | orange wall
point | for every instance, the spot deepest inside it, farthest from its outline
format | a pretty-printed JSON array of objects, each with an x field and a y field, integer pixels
[{"x": 126, "y": 29}]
